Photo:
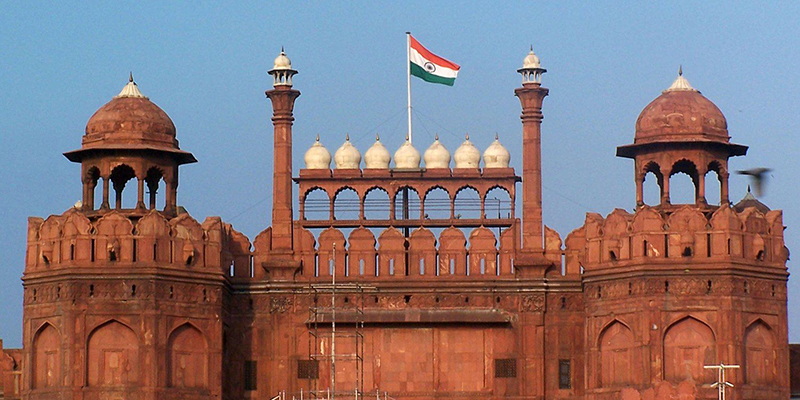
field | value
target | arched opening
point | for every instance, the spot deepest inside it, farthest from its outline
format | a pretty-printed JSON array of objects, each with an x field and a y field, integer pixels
[
  {"x": 119, "y": 177},
  {"x": 377, "y": 205},
  {"x": 153, "y": 181},
  {"x": 760, "y": 354},
  {"x": 406, "y": 204},
  {"x": 46, "y": 362},
  {"x": 94, "y": 190},
  {"x": 437, "y": 204},
  {"x": 113, "y": 355},
  {"x": 316, "y": 205},
  {"x": 688, "y": 346},
  {"x": 713, "y": 183},
  {"x": 497, "y": 203},
  {"x": 467, "y": 204},
  {"x": 346, "y": 205},
  {"x": 652, "y": 184},
  {"x": 616, "y": 355},
  {"x": 188, "y": 359},
  {"x": 683, "y": 184}
]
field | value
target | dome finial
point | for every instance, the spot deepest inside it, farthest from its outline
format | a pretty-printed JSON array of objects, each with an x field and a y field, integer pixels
[
  {"x": 436, "y": 137},
  {"x": 282, "y": 49},
  {"x": 466, "y": 136},
  {"x": 680, "y": 70},
  {"x": 318, "y": 137},
  {"x": 347, "y": 137},
  {"x": 130, "y": 77},
  {"x": 496, "y": 136},
  {"x": 377, "y": 137}
]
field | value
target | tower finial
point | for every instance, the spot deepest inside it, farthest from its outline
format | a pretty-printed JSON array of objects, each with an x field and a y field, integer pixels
[
  {"x": 130, "y": 77},
  {"x": 466, "y": 136},
  {"x": 496, "y": 136},
  {"x": 436, "y": 137},
  {"x": 318, "y": 137},
  {"x": 680, "y": 70},
  {"x": 748, "y": 188},
  {"x": 531, "y": 48},
  {"x": 282, "y": 49},
  {"x": 377, "y": 137},
  {"x": 347, "y": 137}
]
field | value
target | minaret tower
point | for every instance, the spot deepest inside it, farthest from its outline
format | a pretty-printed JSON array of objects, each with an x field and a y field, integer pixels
[
  {"x": 282, "y": 96},
  {"x": 531, "y": 95}
]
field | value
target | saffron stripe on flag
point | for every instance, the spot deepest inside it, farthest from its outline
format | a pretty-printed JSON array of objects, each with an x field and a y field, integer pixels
[{"x": 432, "y": 57}]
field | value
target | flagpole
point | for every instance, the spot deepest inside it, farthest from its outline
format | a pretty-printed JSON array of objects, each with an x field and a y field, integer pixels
[{"x": 408, "y": 80}]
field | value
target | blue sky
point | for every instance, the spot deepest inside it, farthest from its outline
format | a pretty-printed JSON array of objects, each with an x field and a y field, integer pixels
[{"x": 205, "y": 64}]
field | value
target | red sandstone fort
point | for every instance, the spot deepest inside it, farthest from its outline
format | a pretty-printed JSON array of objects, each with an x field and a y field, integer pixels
[{"x": 442, "y": 290}]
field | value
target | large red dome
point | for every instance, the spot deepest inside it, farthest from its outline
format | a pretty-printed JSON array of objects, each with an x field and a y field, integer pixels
[
  {"x": 681, "y": 114},
  {"x": 130, "y": 119}
]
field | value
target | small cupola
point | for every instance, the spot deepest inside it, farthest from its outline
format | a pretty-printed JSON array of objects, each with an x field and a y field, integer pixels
[
  {"x": 437, "y": 156},
  {"x": 317, "y": 156},
  {"x": 406, "y": 157},
  {"x": 467, "y": 155},
  {"x": 496, "y": 155},
  {"x": 347, "y": 156},
  {"x": 377, "y": 156}
]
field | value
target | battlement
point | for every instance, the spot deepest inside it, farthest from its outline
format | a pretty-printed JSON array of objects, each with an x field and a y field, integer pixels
[
  {"x": 75, "y": 240},
  {"x": 654, "y": 236}
]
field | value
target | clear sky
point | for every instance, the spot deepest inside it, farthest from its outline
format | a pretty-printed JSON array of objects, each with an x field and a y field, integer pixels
[{"x": 205, "y": 64}]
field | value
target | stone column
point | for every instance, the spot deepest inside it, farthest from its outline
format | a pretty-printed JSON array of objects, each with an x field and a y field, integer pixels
[{"x": 531, "y": 95}]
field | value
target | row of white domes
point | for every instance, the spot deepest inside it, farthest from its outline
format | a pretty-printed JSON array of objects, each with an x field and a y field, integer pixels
[{"x": 407, "y": 157}]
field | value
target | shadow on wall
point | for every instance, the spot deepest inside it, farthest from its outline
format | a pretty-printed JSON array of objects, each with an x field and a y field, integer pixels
[{"x": 685, "y": 390}]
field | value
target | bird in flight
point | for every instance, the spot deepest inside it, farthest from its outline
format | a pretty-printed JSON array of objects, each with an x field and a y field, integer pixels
[{"x": 759, "y": 178}]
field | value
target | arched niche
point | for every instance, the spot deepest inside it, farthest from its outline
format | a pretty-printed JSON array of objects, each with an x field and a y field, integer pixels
[
  {"x": 437, "y": 204},
  {"x": 188, "y": 358},
  {"x": 467, "y": 203},
  {"x": 651, "y": 184},
  {"x": 46, "y": 360},
  {"x": 316, "y": 205},
  {"x": 497, "y": 203},
  {"x": 119, "y": 178},
  {"x": 377, "y": 205},
  {"x": 688, "y": 345},
  {"x": 346, "y": 205},
  {"x": 616, "y": 355},
  {"x": 760, "y": 354},
  {"x": 112, "y": 356},
  {"x": 406, "y": 203},
  {"x": 683, "y": 182}
]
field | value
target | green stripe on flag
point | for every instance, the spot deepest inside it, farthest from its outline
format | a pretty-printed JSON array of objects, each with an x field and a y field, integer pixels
[{"x": 426, "y": 76}]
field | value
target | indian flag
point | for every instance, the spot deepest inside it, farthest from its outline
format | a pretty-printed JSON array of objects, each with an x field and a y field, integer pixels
[{"x": 430, "y": 67}]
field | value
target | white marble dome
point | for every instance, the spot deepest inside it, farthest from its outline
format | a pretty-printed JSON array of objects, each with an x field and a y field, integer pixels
[
  {"x": 347, "y": 156},
  {"x": 317, "y": 157},
  {"x": 496, "y": 155},
  {"x": 531, "y": 60},
  {"x": 406, "y": 157},
  {"x": 437, "y": 156},
  {"x": 377, "y": 156},
  {"x": 467, "y": 155},
  {"x": 282, "y": 62}
]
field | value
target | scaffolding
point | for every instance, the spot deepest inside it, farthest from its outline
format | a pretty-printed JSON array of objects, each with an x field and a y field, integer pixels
[{"x": 349, "y": 313}]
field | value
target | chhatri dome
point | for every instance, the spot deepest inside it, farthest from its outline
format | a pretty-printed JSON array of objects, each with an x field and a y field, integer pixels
[
  {"x": 406, "y": 157},
  {"x": 467, "y": 155},
  {"x": 496, "y": 155},
  {"x": 348, "y": 156},
  {"x": 531, "y": 60},
  {"x": 130, "y": 118},
  {"x": 377, "y": 156},
  {"x": 681, "y": 113},
  {"x": 282, "y": 62},
  {"x": 437, "y": 156},
  {"x": 317, "y": 156}
]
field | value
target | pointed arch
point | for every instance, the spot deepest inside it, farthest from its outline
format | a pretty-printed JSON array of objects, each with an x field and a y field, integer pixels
[
  {"x": 187, "y": 352},
  {"x": 688, "y": 345},
  {"x": 616, "y": 345},
  {"x": 760, "y": 354},
  {"x": 46, "y": 361},
  {"x": 112, "y": 355}
]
